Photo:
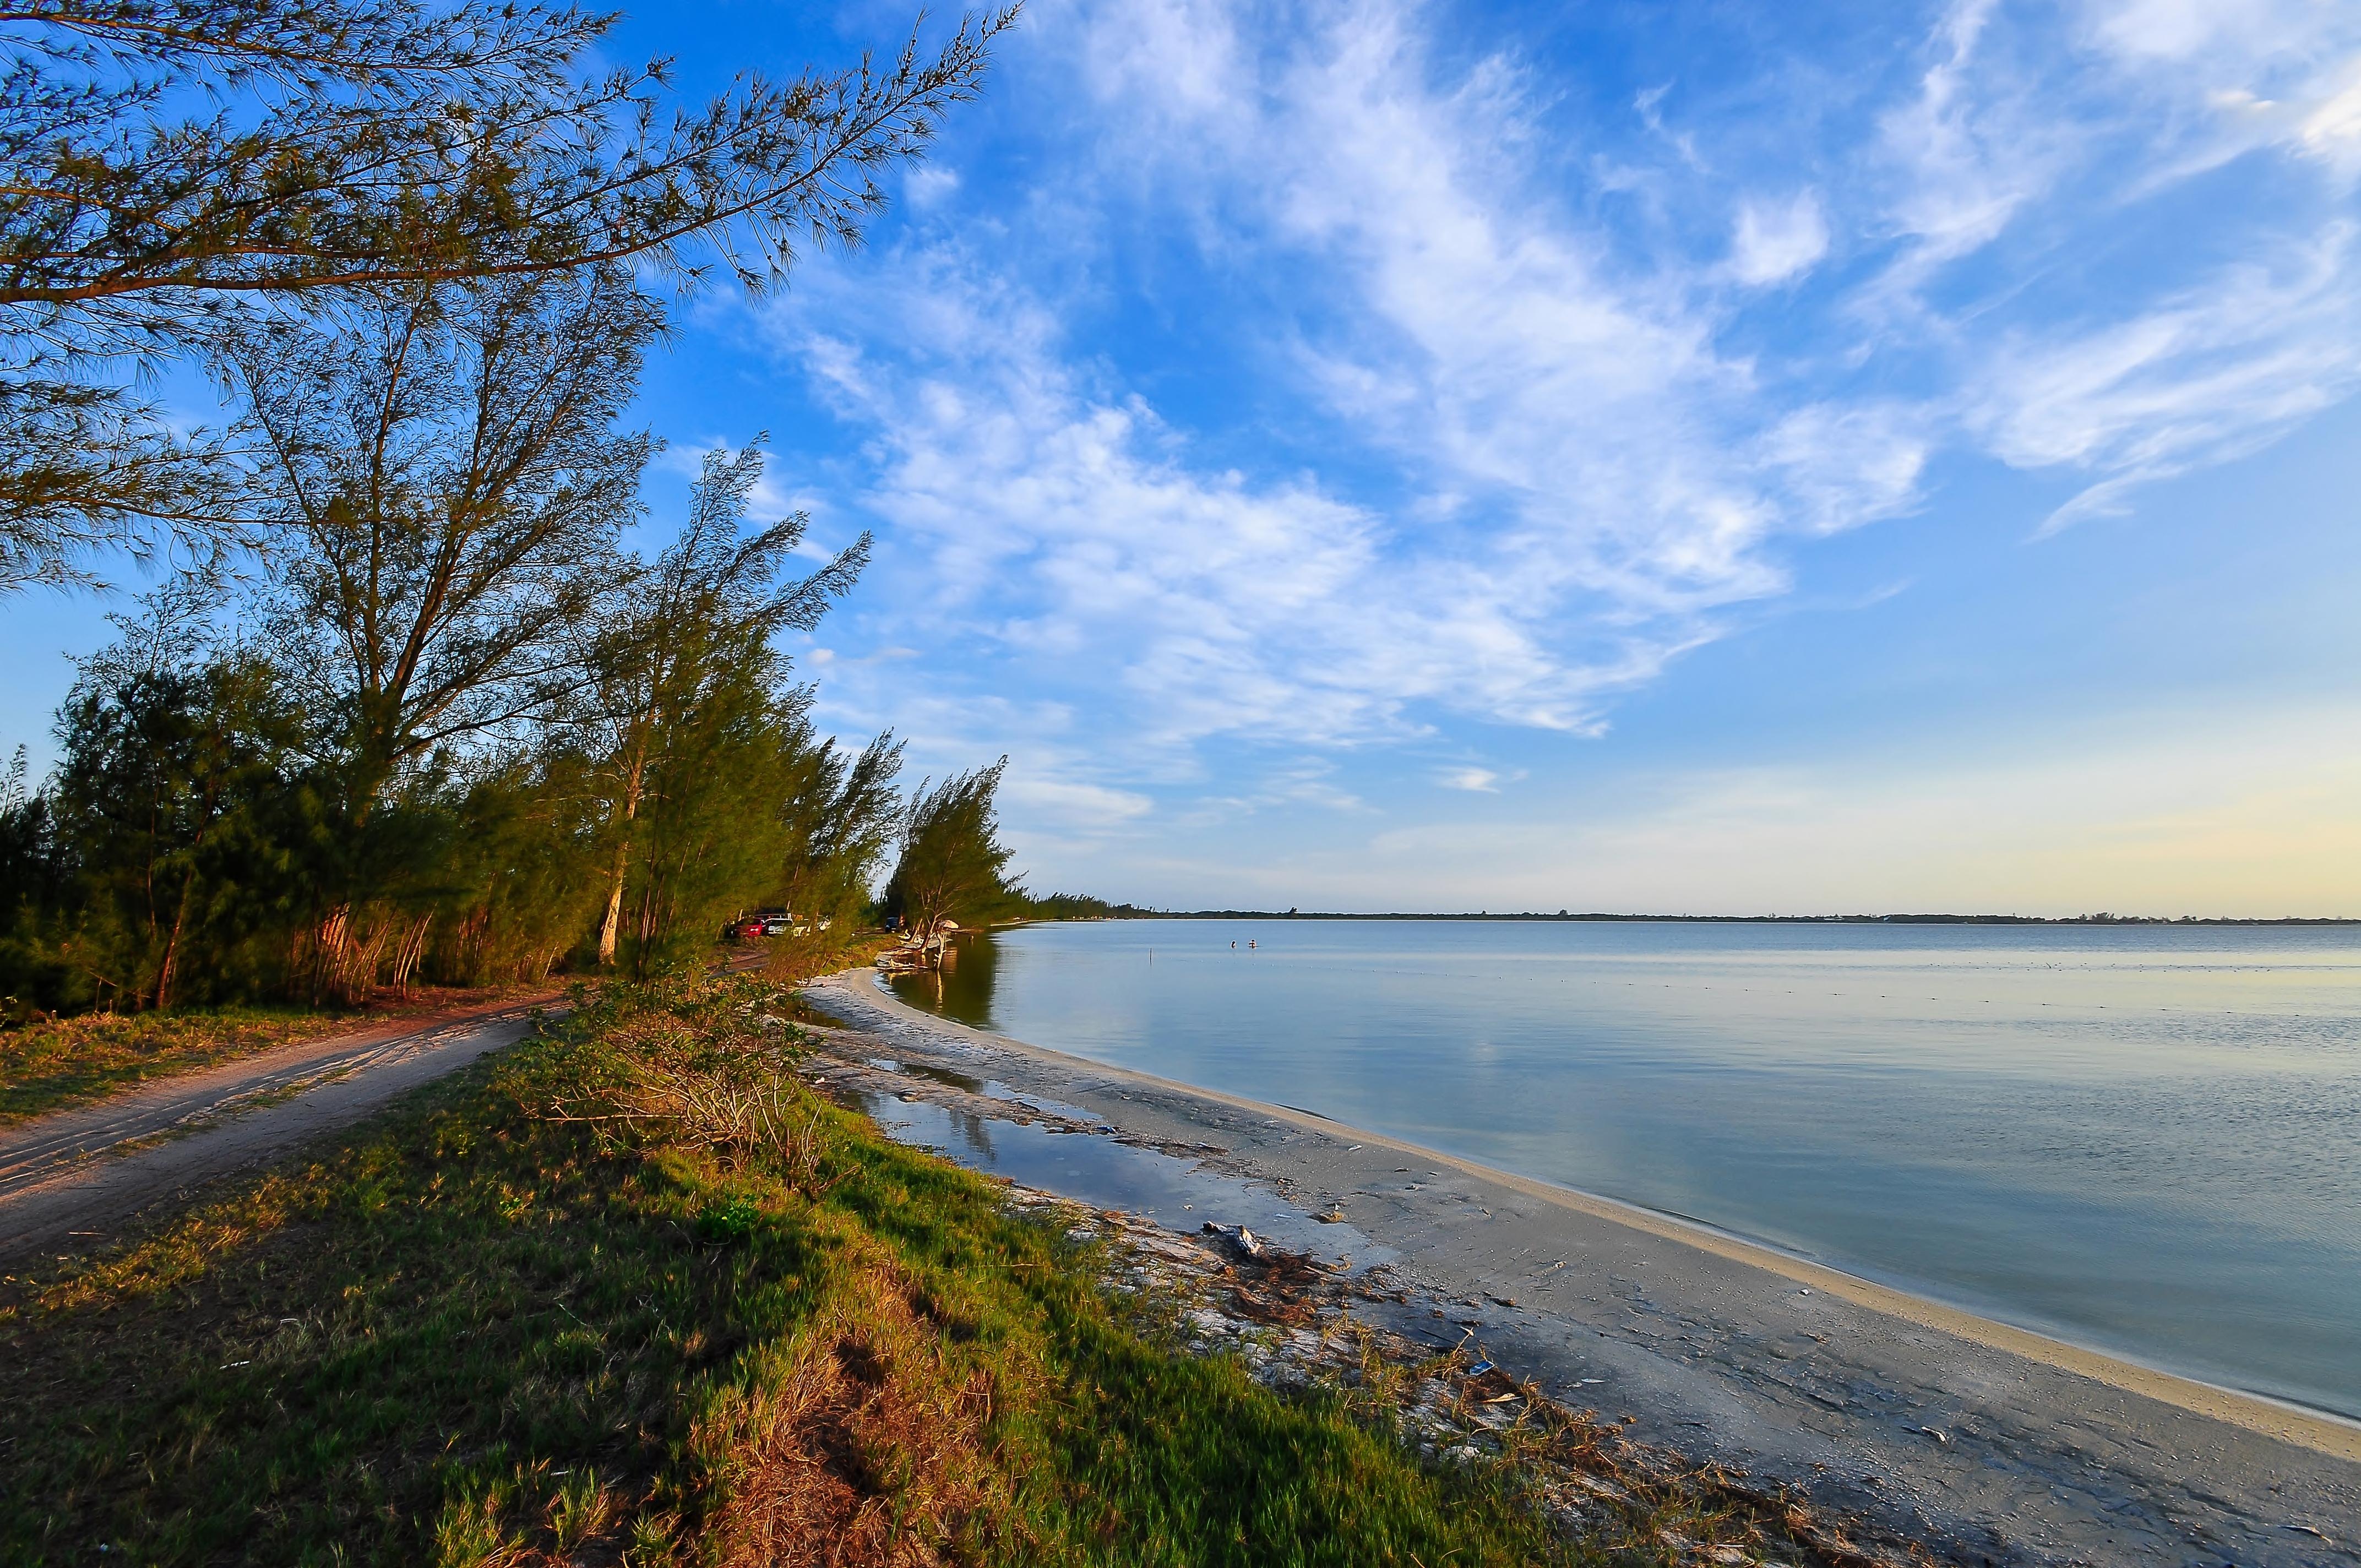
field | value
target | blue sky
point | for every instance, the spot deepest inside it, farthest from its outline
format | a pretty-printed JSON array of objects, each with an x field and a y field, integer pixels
[{"x": 1701, "y": 458}]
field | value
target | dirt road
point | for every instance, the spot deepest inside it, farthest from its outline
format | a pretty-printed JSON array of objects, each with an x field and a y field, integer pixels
[{"x": 78, "y": 1176}]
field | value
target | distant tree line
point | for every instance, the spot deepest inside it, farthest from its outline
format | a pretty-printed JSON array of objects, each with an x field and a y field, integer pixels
[
  {"x": 406, "y": 707},
  {"x": 1079, "y": 906}
]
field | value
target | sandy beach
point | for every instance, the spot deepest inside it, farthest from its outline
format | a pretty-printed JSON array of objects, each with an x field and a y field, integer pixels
[{"x": 1989, "y": 1443}]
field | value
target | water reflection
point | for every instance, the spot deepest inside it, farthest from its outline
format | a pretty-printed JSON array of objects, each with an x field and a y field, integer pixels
[
  {"x": 973, "y": 1132},
  {"x": 942, "y": 1075},
  {"x": 1178, "y": 1193},
  {"x": 962, "y": 988}
]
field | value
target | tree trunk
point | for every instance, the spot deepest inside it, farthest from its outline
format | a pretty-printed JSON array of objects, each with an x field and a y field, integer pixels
[
  {"x": 331, "y": 944},
  {"x": 164, "y": 970},
  {"x": 610, "y": 930},
  {"x": 413, "y": 948}
]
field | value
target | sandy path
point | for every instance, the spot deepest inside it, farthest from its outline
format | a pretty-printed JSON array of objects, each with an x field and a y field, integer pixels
[
  {"x": 1999, "y": 1445},
  {"x": 62, "y": 1177}
]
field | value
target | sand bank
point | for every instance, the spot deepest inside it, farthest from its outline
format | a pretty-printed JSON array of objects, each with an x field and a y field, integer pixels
[{"x": 1992, "y": 1443}]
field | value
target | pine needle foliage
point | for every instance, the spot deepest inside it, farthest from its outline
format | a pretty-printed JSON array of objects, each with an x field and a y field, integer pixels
[
  {"x": 953, "y": 866},
  {"x": 161, "y": 159}
]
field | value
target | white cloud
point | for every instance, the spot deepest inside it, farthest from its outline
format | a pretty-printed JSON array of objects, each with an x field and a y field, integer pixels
[
  {"x": 1065, "y": 526},
  {"x": 2218, "y": 35},
  {"x": 1965, "y": 163},
  {"x": 1476, "y": 781},
  {"x": 929, "y": 184},
  {"x": 1076, "y": 806},
  {"x": 2332, "y": 129},
  {"x": 1775, "y": 241},
  {"x": 1577, "y": 413},
  {"x": 2209, "y": 374}
]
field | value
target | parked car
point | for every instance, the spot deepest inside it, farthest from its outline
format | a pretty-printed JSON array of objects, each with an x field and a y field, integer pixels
[
  {"x": 780, "y": 925},
  {"x": 745, "y": 929}
]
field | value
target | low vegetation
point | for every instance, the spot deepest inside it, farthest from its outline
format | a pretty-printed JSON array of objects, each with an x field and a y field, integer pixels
[{"x": 631, "y": 1293}]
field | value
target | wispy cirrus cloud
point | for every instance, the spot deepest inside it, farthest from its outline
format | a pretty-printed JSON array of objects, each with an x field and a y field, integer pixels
[
  {"x": 2067, "y": 349},
  {"x": 1069, "y": 529},
  {"x": 2202, "y": 376}
]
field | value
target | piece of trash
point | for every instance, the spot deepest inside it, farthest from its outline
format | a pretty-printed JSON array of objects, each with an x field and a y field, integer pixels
[
  {"x": 234, "y": 1365},
  {"x": 1586, "y": 1382},
  {"x": 2307, "y": 1530},
  {"x": 1804, "y": 1292},
  {"x": 1242, "y": 1240},
  {"x": 1480, "y": 1368},
  {"x": 1941, "y": 1437}
]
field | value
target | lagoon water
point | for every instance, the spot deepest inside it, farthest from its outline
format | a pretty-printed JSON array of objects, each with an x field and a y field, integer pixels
[{"x": 2146, "y": 1139}]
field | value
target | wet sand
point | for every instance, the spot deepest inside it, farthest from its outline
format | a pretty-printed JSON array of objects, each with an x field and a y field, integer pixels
[{"x": 1989, "y": 1443}]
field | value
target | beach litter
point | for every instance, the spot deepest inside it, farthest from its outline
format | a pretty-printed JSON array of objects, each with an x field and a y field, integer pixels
[
  {"x": 1240, "y": 1240},
  {"x": 1285, "y": 1316}
]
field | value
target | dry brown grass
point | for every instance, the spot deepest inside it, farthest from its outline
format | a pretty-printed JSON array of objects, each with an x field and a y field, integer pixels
[
  {"x": 1278, "y": 1288},
  {"x": 863, "y": 1448}
]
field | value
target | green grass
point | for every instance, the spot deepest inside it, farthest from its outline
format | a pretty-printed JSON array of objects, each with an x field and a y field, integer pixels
[{"x": 632, "y": 1294}]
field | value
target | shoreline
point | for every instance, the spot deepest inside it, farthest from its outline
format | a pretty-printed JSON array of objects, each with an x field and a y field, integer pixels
[
  {"x": 2325, "y": 1431},
  {"x": 1743, "y": 1316}
]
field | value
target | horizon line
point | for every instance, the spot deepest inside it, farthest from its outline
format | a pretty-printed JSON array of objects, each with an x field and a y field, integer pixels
[{"x": 2101, "y": 919}]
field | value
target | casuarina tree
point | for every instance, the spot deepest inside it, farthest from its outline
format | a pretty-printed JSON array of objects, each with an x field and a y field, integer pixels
[
  {"x": 953, "y": 866},
  {"x": 672, "y": 635},
  {"x": 442, "y": 486},
  {"x": 161, "y": 161}
]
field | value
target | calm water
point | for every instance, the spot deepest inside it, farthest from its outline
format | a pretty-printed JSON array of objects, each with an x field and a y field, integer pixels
[{"x": 2141, "y": 1138}]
